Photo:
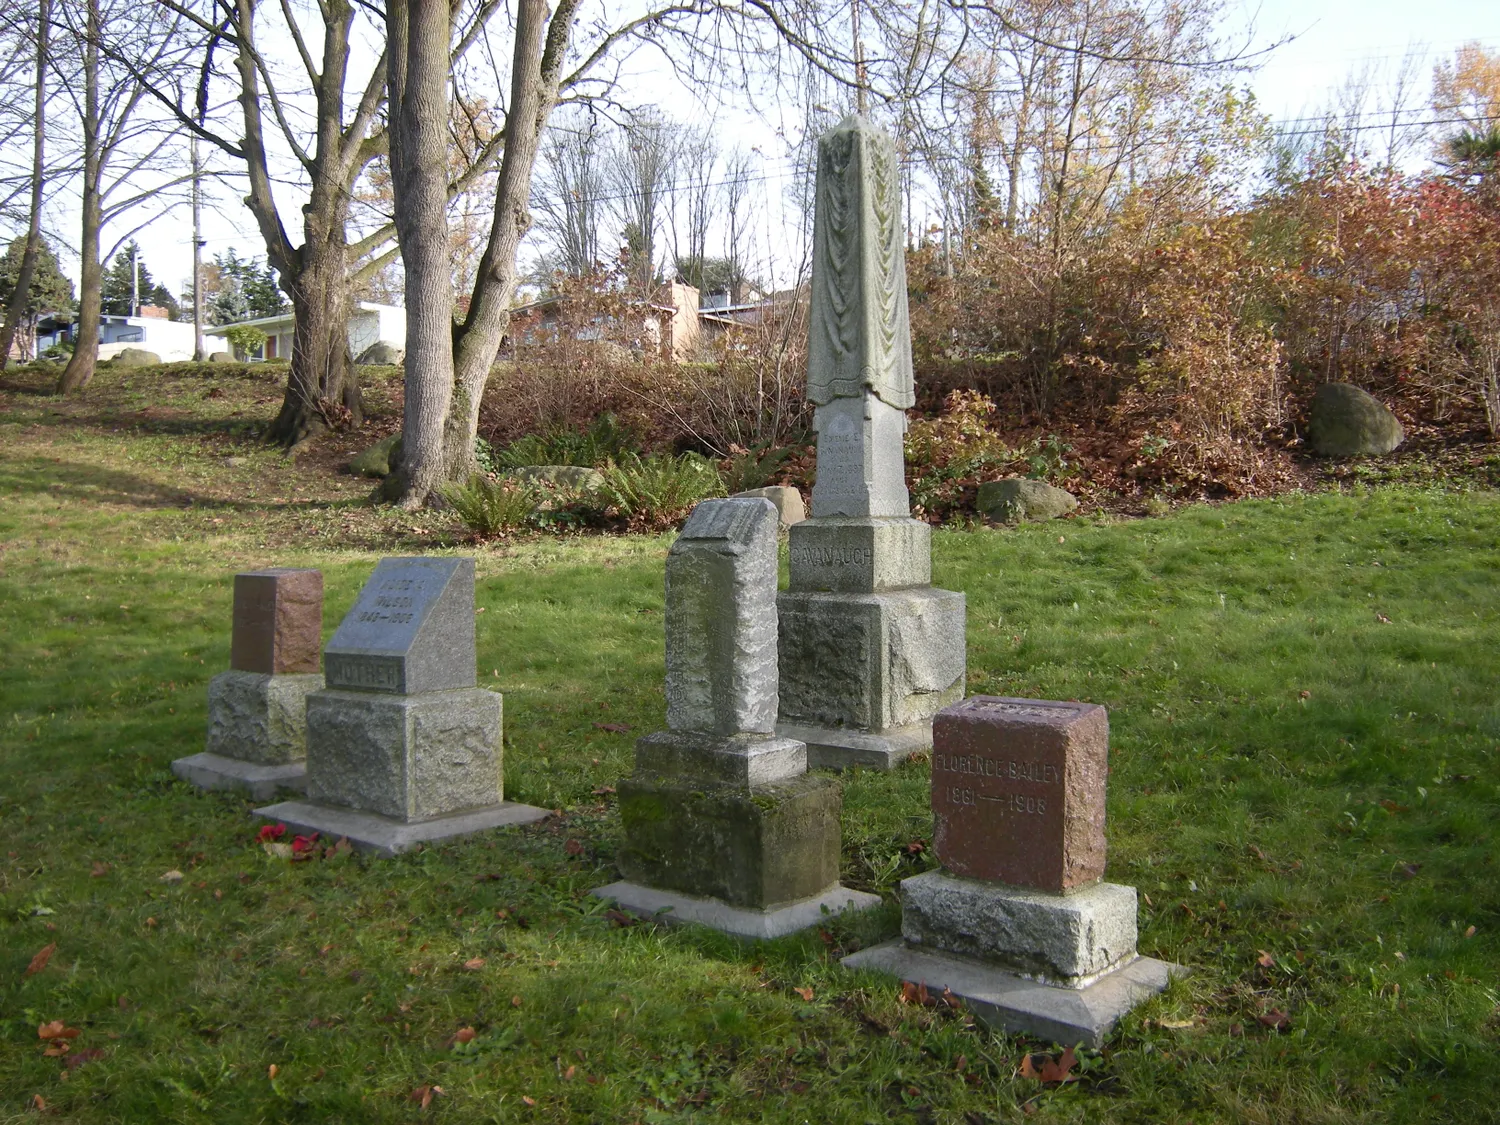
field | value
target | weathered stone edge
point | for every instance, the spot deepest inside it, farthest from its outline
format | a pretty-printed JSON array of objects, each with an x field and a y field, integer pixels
[
  {"x": 260, "y": 781},
  {"x": 384, "y": 836},
  {"x": 677, "y": 909}
]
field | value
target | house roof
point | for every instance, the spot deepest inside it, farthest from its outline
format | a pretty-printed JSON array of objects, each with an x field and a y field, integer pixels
[{"x": 288, "y": 318}]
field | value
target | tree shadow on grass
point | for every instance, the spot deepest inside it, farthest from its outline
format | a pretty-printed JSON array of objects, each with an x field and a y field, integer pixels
[{"x": 93, "y": 484}]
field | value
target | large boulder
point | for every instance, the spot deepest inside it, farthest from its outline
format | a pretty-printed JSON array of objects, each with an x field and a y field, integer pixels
[
  {"x": 575, "y": 478},
  {"x": 788, "y": 501},
  {"x": 1017, "y": 498},
  {"x": 380, "y": 354},
  {"x": 137, "y": 357},
  {"x": 1348, "y": 422},
  {"x": 376, "y": 461},
  {"x": 220, "y": 357}
]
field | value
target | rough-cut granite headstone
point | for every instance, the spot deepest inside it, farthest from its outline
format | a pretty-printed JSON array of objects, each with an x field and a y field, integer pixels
[
  {"x": 789, "y": 506},
  {"x": 257, "y": 711},
  {"x": 869, "y": 650},
  {"x": 1018, "y": 922},
  {"x": 722, "y": 822},
  {"x": 402, "y": 746}
]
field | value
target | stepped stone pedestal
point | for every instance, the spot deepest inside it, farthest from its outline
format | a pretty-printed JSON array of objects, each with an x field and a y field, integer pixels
[
  {"x": 257, "y": 725},
  {"x": 870, "y": 651},
  {"x": 723, "y": 825},
  {"x": 402, "y": 746},
  {"x": 1018, "y": 923}
]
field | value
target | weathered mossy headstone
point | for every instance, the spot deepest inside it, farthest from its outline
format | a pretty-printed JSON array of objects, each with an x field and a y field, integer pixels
[
  {"x": 1018, "y": 923},
  {"x": 402, "y": 746},
  {"x": 870, "y": 651},
  {"x": 1349, "y": 422},
  {"x": 722, "y": 823},
  {"x": 257, "y": 711}
]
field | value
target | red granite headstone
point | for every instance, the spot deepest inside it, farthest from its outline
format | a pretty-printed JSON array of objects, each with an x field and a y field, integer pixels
[
  {"x": 278, "y": 621},
  {"x": 1018, "y": 791}
]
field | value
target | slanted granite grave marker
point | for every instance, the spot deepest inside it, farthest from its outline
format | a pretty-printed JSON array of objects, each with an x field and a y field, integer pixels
[
  {"x": 723, "y": 824},
  {"x": 402, "y": 746},
  {"x": 257, "y": 711},
  {"x": 869, "y": 650},
  {"x": 1018, "y": 922}
]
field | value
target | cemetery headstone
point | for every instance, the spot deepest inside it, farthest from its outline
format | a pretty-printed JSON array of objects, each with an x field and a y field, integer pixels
[
  {"x": 723, "y": 824},
  {"x": 1018, "y": 923},
  {"x": 257, "y": 711},
  {"x": 402, "y": 745},
  {"x": 870, "y": 651}
]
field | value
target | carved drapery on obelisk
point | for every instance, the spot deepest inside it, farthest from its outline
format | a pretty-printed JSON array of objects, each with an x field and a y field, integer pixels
[
  {"x": 869, "y": 651},
  {"x": 860, "y": 336}
]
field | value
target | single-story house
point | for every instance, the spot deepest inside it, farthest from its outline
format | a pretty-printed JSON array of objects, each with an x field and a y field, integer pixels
[
  {"x": 370, "y": 323},
  {"x": 668, "y": 324},
  {"x": 170, "y": 339}
]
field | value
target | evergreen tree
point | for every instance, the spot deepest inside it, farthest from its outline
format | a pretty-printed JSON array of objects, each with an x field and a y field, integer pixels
[
  {"x": 246, "y": 290},
  {"x": 50, "y": 290},
  {"x": 117, "y": 288}
]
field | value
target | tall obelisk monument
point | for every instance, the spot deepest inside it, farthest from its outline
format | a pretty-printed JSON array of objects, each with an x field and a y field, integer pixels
[{"x": 869, "y": 651}]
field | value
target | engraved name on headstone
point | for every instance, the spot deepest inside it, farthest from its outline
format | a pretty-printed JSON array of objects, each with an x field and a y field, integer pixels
[
  {"x": 411, "y": 630},
  {"x": 1018, "y": 791}
]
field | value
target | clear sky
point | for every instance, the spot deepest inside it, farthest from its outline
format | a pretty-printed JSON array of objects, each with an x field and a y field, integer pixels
[{"x": 1329, "y": 41}]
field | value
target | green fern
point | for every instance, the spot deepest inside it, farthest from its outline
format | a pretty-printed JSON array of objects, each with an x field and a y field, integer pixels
[{"x": 492, "y": 507}]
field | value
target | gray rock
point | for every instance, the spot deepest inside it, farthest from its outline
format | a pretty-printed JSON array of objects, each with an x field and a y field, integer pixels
[
  {"x": 409, "y": 757},
  {"x": 721, "y": 620},
  {"x": 411, "y": 630},
  {"x": 669, "y": 908},
  {"x": 380, "y": 354},
  {"x": 789, "y": 507},
  {"x": 577, "y": 478},
  {"x": 1018, "y": 498},
  {"x": 860, "y": 556},
  {"x": 259, "y": 782},
  {"x": 136, "y": 357},
  {"x": 260, "y": 718},
  {"x": 220, "y": 357},
  {"x": 376, "y": 461},
  {"x": 1348, "y": 422},
  {"x": 1070, "y": 939}
]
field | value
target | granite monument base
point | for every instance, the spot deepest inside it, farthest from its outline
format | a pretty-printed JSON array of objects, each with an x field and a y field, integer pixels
[
  {"x": 1069, "y": 940},
  {"x": 678, "y": 909},
  {"x": 405, "y": 757},
  {"x": 261, "y": 782},
  {"x": 388, "y": 836},
  {"x": 841, "y": 748},
  {"x": 1018, "y": 1005},
  {"x": 759, "y": 847},
  {"x": 259, "y": 717}
]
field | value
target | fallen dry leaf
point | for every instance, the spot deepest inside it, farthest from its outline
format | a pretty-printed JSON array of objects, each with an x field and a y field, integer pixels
[
  {"x": 1265, "y": 960},
  {"x": 1382, "y": 618},
  {"x": 603, "y": 790},
  {"x": 574, "y": 846},
  {"x": 98, "y": 869},
  {"x": 474, "y": 964},
  {"x": 39, "y": 962},
  {"x": 38, "y": 1102},
  {"x": 272, "y": 1071},
  {"x": 1174, "y": 1025},
  {"x": 1275, "y": 1019},
  {"x": 173, "y": 876},
  {"x": 805, "y": 993},
  {"x": 57, "y": 1029},
  {"x": 568, "y": 1074},
  {"x": 528, "y": 1099},
  {"x": 425, "y": 1094},
  {"x": 89, "y": 1054},
  {"x": 515, "y": 1001},
  {"x": 619, "y": 919},
  {"x": 612, "y": 728},
  {"x": 1469, "y": 932},
  {"x": 464, "y": 1035}
]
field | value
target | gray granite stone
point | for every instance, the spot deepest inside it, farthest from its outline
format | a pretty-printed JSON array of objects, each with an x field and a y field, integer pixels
[
  {"x": 670, "y": 908},
  {"x": 1014, "y": 1004},
  {"x": 860, "y": 556},
  {"x": 383, "y": 835},
  {"x": 1068, "y": 940},
  {"x": 869, "y": 662},
  {"x": 790, "y": 509},
  {"x": 405, "y": 757},
  {"x": 859, "y": 341},
  {"x": 411, "y": 630},
  {"x": 1017, "y": 498},
  {"x": 741, "y": 759},
  {"x": 842, "y": 748},
  {"x": 861, "y": 459},
  {"x": 721, "y": 619},
  {"x": 259, "y": 718},
  {"x": 260, "y": 782}
]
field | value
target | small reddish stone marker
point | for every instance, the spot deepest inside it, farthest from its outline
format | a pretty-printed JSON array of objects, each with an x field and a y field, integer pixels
[
  {"x": 1018, "y": 791},
  {"x": 278, "y": 621},
  {"x": 1018, "y": 923}
]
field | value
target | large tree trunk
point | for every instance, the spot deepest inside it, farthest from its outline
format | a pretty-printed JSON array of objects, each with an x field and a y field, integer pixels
[
  {"x": 15, "y": 309},
  {"x": 80, "y": 368},
  {"x": 322, "y": 373},
  {"x": 418, "y": 101}
]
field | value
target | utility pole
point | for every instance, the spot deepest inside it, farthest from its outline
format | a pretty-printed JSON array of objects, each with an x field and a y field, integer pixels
[
  {"x": 859, "y": 58},
  {"x": 197, "y": 259},
  {"x": 135, "y": 279}
]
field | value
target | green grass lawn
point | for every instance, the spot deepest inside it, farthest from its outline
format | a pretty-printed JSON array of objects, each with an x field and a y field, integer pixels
[{"x": 1304, "y": 788}]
